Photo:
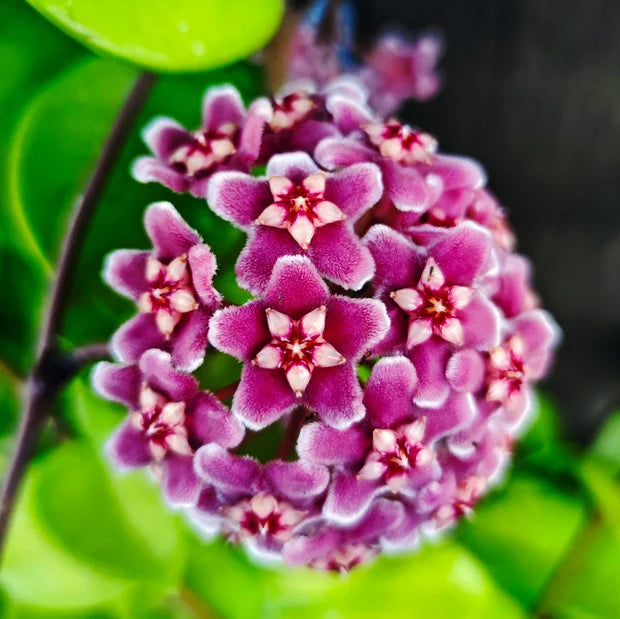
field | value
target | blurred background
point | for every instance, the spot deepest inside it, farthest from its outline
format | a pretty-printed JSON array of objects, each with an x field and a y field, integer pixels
[{"x": 532, "y": 90}]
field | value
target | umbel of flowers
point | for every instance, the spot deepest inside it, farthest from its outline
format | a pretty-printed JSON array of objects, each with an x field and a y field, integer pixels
[{"x": 393, "y": 335}]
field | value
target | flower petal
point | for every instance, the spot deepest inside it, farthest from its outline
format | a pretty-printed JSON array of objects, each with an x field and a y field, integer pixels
[
  {"x": 125, "y": 272},
  {"x": 430, "y": 360},
  {"x": 322, "y": 444},
  {"x": 388, "y": 396},
  {"x": 262, "y": 397},
  {"x": 190, "y": 341},
  {"x": 203, "y": 266},
  {"x": 163, "y": 136},
  {"x": 338, "y": 152},
  {"x": 295, "y": 288},
  {"x": 222, "y": 104},
  {"x": 295, "y": 166},
  {"x": 240, "y": 331},
  {"x": 119, "y": 383},
  {"x": 237, "y": 197},
  {"x": 335, "y": 394},
  {"x": 481, "y": 321},
  {"x": 136, "y": 336},
  {"x": 170, "y": 235},
  {"x": 465, "y": 371},
  {"x": 149, "y": 170},
  {"x": 355, "y": 189},
  {"x": 348, "y": 498},
  {"x": 159, "y": 373},
  {"x": 227, "y": 472},
  {"x": 458, "y": 411},
  {"x": 211, "y": 422},
  {"x": 296, "y": 480},
  {"x": 406, "y": 187},
  {"x": 127, "y": 448},
  {"x": 179, "y": 482}
]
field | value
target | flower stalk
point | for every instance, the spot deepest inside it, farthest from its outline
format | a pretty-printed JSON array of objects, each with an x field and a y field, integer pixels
[{"x": 53, "y": 367}]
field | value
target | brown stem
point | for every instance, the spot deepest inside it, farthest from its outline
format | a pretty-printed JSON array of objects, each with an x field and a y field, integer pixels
[
  {"x": 53, "y": 368},
  {"x": 297, "y": 419}
]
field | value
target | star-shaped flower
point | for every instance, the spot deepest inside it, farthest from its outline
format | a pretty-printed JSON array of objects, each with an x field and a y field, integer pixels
[
  {"x": 299, "y": 345},
  {"x": 296, "y": 210},
  {"x": 229, "y": 139},
  {"x": 172, "y": 289},
  {"x": 169, "y": 418}
]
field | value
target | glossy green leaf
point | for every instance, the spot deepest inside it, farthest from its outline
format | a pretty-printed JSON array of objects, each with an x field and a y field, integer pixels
[
  {"x": 440, "y": 581},
  {"x": 522, "y": 532},
  {"x": 168, "y": 35}
]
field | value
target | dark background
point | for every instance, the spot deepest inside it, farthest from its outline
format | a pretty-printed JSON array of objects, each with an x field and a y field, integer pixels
[{"x": 532, "y": 90}]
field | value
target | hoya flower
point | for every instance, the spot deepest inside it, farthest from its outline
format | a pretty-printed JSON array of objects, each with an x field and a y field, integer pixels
[
  {"x": 169, "y": 418},
  {"x": 414, "y": 175},
  {"x": 259, "y": 505},
  {"x": 434, "y": 292},
  {"x": 299, "y": 210},
  {"x": 299, "y": 346},
  {"x": 392, "y": 451},
  {"x": 398, "y": 69},
  {"x": 172, "y": 288},
  {"x": 228, "y": 139}
]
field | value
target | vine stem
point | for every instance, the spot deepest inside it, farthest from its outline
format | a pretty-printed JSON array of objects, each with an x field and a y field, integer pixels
[{"x": 53, "y": 368}]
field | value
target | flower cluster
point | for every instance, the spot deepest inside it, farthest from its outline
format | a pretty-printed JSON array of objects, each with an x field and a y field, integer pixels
[{"x": 393, "y": 336}]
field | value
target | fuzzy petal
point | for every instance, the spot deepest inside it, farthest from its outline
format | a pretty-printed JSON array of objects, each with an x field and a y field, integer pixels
[
  {"x": 481, "y": 323},
  {"x": 349, "y": 115},
  {"x": 240, "y": 331},
  {"x": 262, "y": 397},
  {"x": 355, "y": 189},
  {"x": 159, "y": 373},
  {"x": 458, "y": 411},
  {"x": 163, "y": 136},
  {"x": 203, "y": 265},
  {"x": 220, "y": 105},
  {"x": 322, "y": 444},
  {"x": 296, "y": 480},
  {"x": 335, "y": 394},
  {"x": 119, "y": 383},
  {"x": 190, "y": 341},
  {"x": 348, "y": 498},
  {"x": 430, "y": 360},
  {"x": 295, "y": 288},
  {"x": 170, "y": 235},
  {"x": 465, "y": 371},
  {"x": 151, "y": 170},
  {"x": 462, "y": 253},
  {"x": 334, "y": 153},
  {"x": 398, "y": 262},
  {"x": 295, "y": 166},
  {"x": 250, "y": 141},
  {"x": 366, "y": 323},
  {"x": 125, "y": 270},
  {"x": 406, "y": 187},
  {"x": 179, "y": 482},
  {"x": 127, "y": 448},
  {"x": 456, "y": 172},
  {"x": 388, "y": 396},
  {"x": 238, "y": 197},
  {"x": 136, "y": 336},
  {"x": 227, "y": 472},
  {"x": 212, "y": 422},
  {"x": 340, "y": 256}
]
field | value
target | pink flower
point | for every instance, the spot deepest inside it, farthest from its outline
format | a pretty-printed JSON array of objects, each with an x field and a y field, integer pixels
[
  {"x": 229, "y": 138},
  {"x": 299, "y": 210},
  {"x": 171, "y": 287},
  {"x": 169, "y": 418},
  {"x": 299, "y": 345}
]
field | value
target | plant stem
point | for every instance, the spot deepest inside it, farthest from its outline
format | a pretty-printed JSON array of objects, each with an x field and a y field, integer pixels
[
  {"x": 54, "y": 368},
  {"x": 291, "y": 433}
]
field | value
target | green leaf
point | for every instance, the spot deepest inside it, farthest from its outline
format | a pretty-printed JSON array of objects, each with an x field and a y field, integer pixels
[
  {"x": 168, "y": 35},
  {"x": 439, "y": 581},
  {"x": 522, "y": 532},
  {"x": 607, "y": 443}
]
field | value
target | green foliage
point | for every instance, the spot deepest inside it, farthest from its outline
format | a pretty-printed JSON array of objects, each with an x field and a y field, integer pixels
[{"x": 168, "y": 35}]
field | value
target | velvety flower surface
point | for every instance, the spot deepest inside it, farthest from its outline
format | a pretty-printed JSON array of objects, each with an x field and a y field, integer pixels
[
  {"x": 392, "y": 344},
  {"x": 172, "y": 288},
  {"x": 298, "y": 209},
  {"x": 228, "y": 138},
  {"x": 299, "y": 345},
  {"x": 169, "y": 418}
]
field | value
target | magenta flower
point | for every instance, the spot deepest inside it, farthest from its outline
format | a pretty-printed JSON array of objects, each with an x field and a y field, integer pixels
[
  {"x": 172, "y": 288},
  {"x": 168, "y": 420},
  {"x": 399, "y": 69},
  {"x": 229, "y": 139},
  {"x": 299, "y": 210},
  {"x": 434, "y": 291},
  {"x": 299, "y": 345},
  {"x": 259, "y": 505}
]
